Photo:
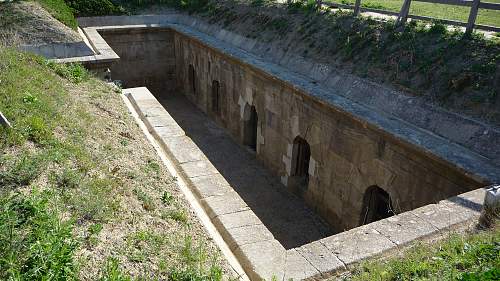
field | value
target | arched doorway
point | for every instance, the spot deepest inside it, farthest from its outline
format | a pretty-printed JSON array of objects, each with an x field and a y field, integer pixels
[
  {"x": 377, "y": 205},
  {"x": 192, "y": 78},
  {"x": 301, "y": 156},
  {"x": 251, "y": 121},
  {"x": 216, "y": 98}
]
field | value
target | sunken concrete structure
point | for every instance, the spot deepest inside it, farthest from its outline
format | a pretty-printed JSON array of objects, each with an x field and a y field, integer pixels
[
  {"x": 363, "y": 157},
  {"x": 335, "y": 162}
]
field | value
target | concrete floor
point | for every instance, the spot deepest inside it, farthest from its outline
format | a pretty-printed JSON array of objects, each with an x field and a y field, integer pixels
[{"x": 286, "y": 216}]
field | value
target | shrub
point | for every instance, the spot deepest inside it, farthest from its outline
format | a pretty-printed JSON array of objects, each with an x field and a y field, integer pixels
[{"x": 90, "y": 8}]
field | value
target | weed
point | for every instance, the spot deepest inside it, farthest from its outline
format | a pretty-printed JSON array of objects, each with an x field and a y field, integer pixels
[
  {"x": 147, "y": 202},
  {"x": 178, "y": 214},
  {"x": 112, "y": 271},
  {"x": 35, "y": 243},
  {"x": 93, "y": 200},
  {"x": 30, "y": 99},
  {"x": 93, "y": 232},
  {"x": 152, "y": 167},
  {"x": 124, "y": 142},
  {"x": 167, "y": 198},
  {"x": 21, "y": 171},
  {"x": 68, "y": 179},
  {"x": 74, "y": 72},
  {"x": 194, "y": 257}
]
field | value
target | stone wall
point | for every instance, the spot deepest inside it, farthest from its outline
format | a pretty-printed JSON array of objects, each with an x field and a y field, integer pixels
[
  {"x": 347, "y": 156},
  {"x": 146, "y": 57}
]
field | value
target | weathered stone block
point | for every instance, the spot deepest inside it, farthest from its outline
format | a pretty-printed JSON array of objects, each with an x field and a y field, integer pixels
[
  {"x": 225, "y": 204},
  {"x": 404, "y": 228},
  {"x": 166, "y": 131},
  {"x": 183, "y": 149},
  {"x": 240, "y": 236},
  {"x": 297, "y": 267},
  {"x": 321, "y": 258},
  {"x": 263, "y": 260},
  {"x": 198, "y": 168},
  {"x": 357, "y": 244},
  {"x": 212, "y": 185},
  {"x": 238, "y": 219}
]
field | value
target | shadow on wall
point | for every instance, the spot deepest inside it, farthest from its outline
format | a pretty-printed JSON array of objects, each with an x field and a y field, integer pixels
[{"x": 285, "y": 215}]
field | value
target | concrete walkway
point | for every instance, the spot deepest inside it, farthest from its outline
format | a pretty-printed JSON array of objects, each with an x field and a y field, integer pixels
[{"x": 284, "y": 215}]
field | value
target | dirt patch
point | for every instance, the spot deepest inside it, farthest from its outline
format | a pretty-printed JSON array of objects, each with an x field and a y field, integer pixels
[{"x": 26, "y": 23}]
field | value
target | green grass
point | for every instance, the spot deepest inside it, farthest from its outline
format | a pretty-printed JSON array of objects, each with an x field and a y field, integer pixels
[
  {"x": 62, "y": 185},
  {"x": 36, "y": 244},
  {"x": 440, "y": 11},
  {"x": 464, "y": 257},
  {"x": 59, "y": 10}
]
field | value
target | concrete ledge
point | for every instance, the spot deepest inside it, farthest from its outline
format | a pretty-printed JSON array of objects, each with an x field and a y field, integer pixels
[
  {"x": 59, "y": 50},
  {"x": 260, "y": 254}
]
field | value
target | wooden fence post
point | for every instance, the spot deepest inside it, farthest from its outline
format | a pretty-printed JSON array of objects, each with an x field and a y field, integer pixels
[
  {"x": 403, "y": 14},
  {"x": 472, "y": 16},
  {"x": 356, "y": 7}
]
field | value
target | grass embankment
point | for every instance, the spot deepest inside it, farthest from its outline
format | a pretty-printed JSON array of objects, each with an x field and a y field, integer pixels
[
  {"x": 82, "y": 193},
  {"x": 60, "y": 11},
  {"x": 469, "y": 257},
  {"x": 439, "y": 11}
]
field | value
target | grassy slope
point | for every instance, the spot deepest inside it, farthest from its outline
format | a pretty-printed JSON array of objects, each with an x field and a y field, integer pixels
[
  {"x": 469, "y": 257},
  {"x": 443, "y": 67},
  {"x": 83, "y": 195},
  {"x": 60, "y": 11},
  {"x": 440, "y": 11}
]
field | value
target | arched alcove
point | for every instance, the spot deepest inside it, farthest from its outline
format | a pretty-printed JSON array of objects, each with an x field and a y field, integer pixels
[
  {"x": 301, "y": 155},
  {"x": 216, "y": 98},
  {"x": 377, "y": 205},
  {"x": 250, "y": 124},
  {"x": 192, "y": 78}
]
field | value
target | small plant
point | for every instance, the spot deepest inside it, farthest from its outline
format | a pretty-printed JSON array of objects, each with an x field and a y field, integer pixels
[
  {"x": 93, "y": 200},
  {"x": 194, "y": 258},
  {"x": 112, "y": 271},
  {"x": 21, "y": 171},
  {"x": 152, "y": 167},
  {"x": 30, "y": 99},
  {"x": 68, "y": 179},
  {"x": 93, "y": 232},
  {"x": 147, "y": 202},
  {"x": 167, "y": 198},
  {"x": 35, "y": 243},
  {"x": 74, "y": 72},
  {"x": 179, "y": 215}
]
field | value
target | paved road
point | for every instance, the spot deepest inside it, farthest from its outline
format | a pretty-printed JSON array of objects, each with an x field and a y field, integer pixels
[{"x": 285, "y": 215}]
